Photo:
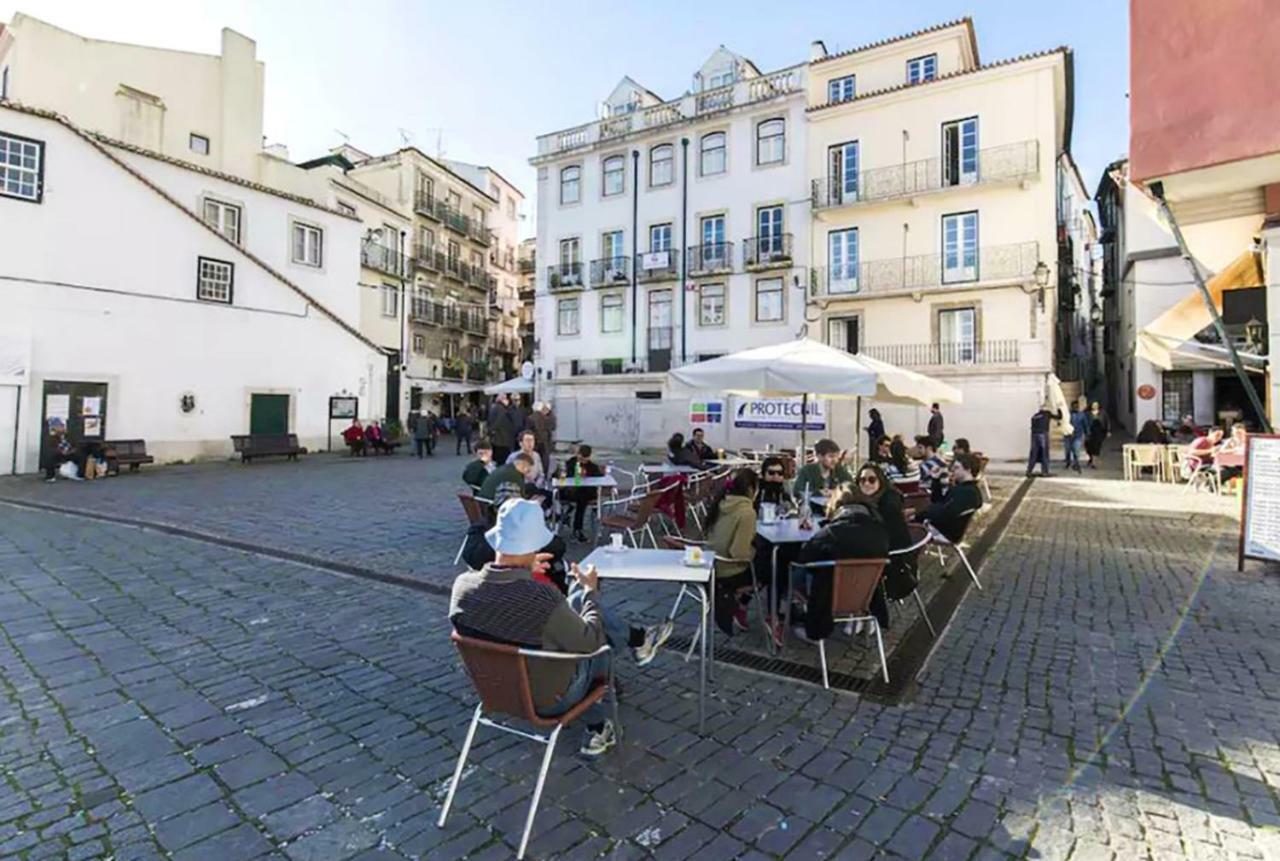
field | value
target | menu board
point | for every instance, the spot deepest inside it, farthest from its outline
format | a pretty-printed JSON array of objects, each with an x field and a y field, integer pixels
[{"x": 1260, "y": 501}]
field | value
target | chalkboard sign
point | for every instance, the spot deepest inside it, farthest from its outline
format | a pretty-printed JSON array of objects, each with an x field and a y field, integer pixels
[{"x": 1260, "y": 500}]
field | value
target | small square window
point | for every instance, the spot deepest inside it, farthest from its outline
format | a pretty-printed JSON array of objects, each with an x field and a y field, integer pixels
[
  {"x": 308, "y": 244},
  {"x": 842, "y": 89},
  {"x": 21, "y": 168},
  {"x": 214, "y": 280},
  {"x": 390, "y": 300},
  {"x": 711, "y": 305},
  {"x": 199, "y": 144},
  {"x": 224, "y": 218},
  {"x": 769, "y": 300}
]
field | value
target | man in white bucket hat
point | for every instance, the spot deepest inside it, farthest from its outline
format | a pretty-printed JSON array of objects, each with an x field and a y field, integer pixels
[{"x": 512, "y": 601}]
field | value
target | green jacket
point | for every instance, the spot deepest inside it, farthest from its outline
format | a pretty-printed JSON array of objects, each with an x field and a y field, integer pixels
[
  {"x": 732, "y": 534},
  {"x": 809, "y": 479},
  {"x": 503, "y": 483}
]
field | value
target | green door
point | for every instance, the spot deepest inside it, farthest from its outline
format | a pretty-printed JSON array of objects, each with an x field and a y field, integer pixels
[{"x": 269, "y": 414}]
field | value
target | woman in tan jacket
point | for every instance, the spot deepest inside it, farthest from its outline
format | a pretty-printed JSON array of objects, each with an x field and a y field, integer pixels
[{"x": 731, "y": 531}]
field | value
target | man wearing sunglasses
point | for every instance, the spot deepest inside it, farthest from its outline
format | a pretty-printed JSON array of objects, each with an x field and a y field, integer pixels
[{"x": 773, "y": 486}]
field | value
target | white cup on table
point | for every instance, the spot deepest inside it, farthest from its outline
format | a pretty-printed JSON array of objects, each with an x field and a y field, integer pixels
[{"x": 615, "y": 541}]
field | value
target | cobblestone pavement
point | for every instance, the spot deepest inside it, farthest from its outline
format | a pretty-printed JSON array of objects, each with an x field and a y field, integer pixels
[{"x": 1110, "y": 694}]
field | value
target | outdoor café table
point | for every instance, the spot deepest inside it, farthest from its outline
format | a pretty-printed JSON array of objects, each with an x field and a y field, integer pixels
[
  {"x": 668, "y": 469},
  {"x": 663, "y": 566},
  {"x": 599, "y": 481},
  {"x": 733, "y": 462},
  {"x": 781, "y": 532}
]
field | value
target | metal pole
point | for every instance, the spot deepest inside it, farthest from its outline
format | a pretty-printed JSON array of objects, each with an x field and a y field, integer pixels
[
  {"x": 1157, "y": 188},
  {"x": 635, "y": 248},
  {"x": 17, "y": 419},
  {"x": 684, "y": 245},
  {"x": 857, "y": 435},
  {"x": 804, "y": 428}
]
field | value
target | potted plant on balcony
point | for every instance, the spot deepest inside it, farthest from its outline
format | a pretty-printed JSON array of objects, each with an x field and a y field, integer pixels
[{"x": 453, "y": 367}]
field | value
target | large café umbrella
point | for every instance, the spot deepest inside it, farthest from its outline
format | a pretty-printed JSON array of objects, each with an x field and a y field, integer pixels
[
  {"x": 513, "y": 386},
  {"x": 807, "y": 368}
]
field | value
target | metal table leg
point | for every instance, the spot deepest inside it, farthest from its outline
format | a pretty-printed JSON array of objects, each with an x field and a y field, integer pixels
[
  {"x": 702, "y": 674},
  {"x": 773, "y": 602}
]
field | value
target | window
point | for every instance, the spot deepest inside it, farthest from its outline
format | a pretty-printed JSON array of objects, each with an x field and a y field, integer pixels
[
  {"x": 478, "y": 217},
  {"x": 511, "y": 208},
  {"x": 21, "y": 168},
  {"x": 1176, "y": 396},
  {"x": 711, "y": 305},
  {"x": 614, "y": 181},
  {"x": 346, "y": 208},
  {"x": 455, "y": 201},
  {"x": 960, "y": 247},
  {"x": 424, "y": 188},
  {"x": 199, "y": 144},
  {"x": 771, "y": 142},
  {"x": 611, "y": 312},
  {"x": 570, "y": 251},
  {"x": 611, "y": 247},
  {"x": 842, "y": 165},
  {"x": 922, "y": 69},
  {"x": 450, "y": 350},
  {"x": 841, "y": 89},
  {"x": 711, "y": 158},
  {"x": 453, "y": 250},
  {"x": 960, "y": 152},
  {"x": 570, "y": 184},
  {"x": 660, "y": 237},
  {"x": 214, "y": 280},
  {"x": 660, "y": 318},
  {"x": 661, "y": 165},
  {"x": 308, "y": 244},
  {"x": 390, "y": 300},
  {"x": 419, "y": 344},
  {"x": 224, "y": 218},
  {"x": 769, "y": 233},
  {"x": 842, "y": 260},
  {"x": 843, "y": 333},
  {"x": 567, "y": 317},
  {"x": 426, "y": 238},
  {"x": 957, "y": 335},
  {"x": 714, "y": 252},
  {"x": 769, "y": 300}
]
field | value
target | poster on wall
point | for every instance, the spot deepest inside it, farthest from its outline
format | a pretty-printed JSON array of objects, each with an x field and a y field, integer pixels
[
  {"x": 91, "y": 406},
  {"x": 57, "y": 407},
  {"x": 706, "y": 412},
  {"x": 92, "y": 426},
  {"x": 778, "y": 414},
  {"x": 1260, "y": 500}
]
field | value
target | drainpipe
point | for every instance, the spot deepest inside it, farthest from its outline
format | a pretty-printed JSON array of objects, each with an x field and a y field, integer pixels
[
  {"x": 684, "y": 246},
  {"x": 635, "y": 248},
  {"x": 404, "y": 322}
]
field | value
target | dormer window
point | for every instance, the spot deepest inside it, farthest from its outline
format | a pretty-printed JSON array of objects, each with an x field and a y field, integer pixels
[
  {"x": 720, "y": 78},
  {"x": 922, "y": 69},
  {"x": 623, "y": 109},
  {"x": 842, "y": 89}
]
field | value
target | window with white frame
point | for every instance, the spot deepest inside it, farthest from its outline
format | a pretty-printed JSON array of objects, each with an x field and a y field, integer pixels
[
  {"x": 711, "y": 305},
  {"x": 957, "y": 335},
  {"x": 614, "y": 173},
  {"x": 390, "y": 300},
  {"x": 842, "y": 260},
  {"x": 842, "y": 175},
  {"x": 711, "y": 154},
  {"x": 769, "y": 300},
  {"x": 960, "y": 247},
  {"x": 768, "y": 233},
  {"x": 660, "y": 237},
  {"x": 567, "y": 317},
  {"x": 198, "y": 144},
  {"x": 960, "y": 152},
  {"x": 479, "y": 217},
  {"x": 771, "y": 142},
  {"x": 454, "y": 199},
  {"x": 215, "y": 280},
  {"x": 922, "y": 69},
  {"x": 511, "y": 208},
  {"x": 570, "y": 252},
  {"x": 426, "y": 239},
  {"x": 841, "y": 89},
  {"x": 308, "y": 244},
  {"x": 611, "y": 313},
  {"x": 570, "y": 184},
  {"x": 21, "y": 167},
  {"x": 223, "y": 217},
  {"x": 419, "y": 344},
  {"x": 449, "y": 350},
  {"x": 612, "y": 249},
  {"x": 661, "y": 165}
]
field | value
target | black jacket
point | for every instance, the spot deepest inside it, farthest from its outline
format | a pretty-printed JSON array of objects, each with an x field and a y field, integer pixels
[
  {"x": 935, "y": 428},
  {"x": 686, "y": 456},
  {"x": 775, "y": 492},
  {"x": 502, "y": 426},
  {"x": 1040, "y": 421},
  {"x": 946, "y": 516},
  {"x": 854, "y": 533}
]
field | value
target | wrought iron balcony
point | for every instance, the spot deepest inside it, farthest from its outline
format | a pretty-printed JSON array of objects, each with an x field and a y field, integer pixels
[
  {"x": 711, "y": 257},
  {"x": 564, "y": 276},
  {"x": 428, "y": 258},
  {"x": 657, "y": 266},
  {"x": 426, "y": 204},
  {"x": 384, "y": 259},
  {"x": 477, "y": 231},
  {"x": 473, "y": 320},
  {"x": 654, "y": 362},
  {"x": 608, "y": 271},
  {"x": 765, "y": 252},
  {"x": 476, "y": 276},
  {"x": 1016, "y": 262},
  {"x": 453, "y": 267},
  {"x": 999, "y": 352},
  {"x": 1008, "y": 163},
  {"x": 424, "y": 310},
  {"x": 528, "y": 265}
]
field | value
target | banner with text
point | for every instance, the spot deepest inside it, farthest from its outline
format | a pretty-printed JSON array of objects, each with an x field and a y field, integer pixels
[{"x": 778, "y": 414}]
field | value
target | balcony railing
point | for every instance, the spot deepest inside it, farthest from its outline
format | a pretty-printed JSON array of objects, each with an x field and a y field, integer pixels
[
  {"x": 476, "y": 276},
  {"x": 1006, "y": 163},
  {"x": 763, "y": 252},
  {"x": 608, "y": 271},
  {"x": 474, "y": 321},
  {"x": 427, "y": 257},
  {"x": 507, "y": 345},
  {"x": 1000, "y": 352},
  {"x": 652, "y": 363},
  {"x": 926, "y": 271},
  {"x": 564, "y": 276},
  {"x": 425, "y": 204},
  {"x": 711, "y": 257},
  {"x": 657, "y": 266},
  {"x": 384, "y": 259},
  {"x": 423, "y": 310},
  {"x": 528, "y": 265},
  {"x": 477, "y": 231}
]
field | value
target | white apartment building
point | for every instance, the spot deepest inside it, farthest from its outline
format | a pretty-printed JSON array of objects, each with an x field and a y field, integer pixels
[
  {"x": 228, "y": 314},
  {"x": 668, "y": 231}
]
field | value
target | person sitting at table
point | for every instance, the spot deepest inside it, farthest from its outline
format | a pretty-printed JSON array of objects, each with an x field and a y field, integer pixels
[
  {"x": 582, "y": 498},
  {"x": 1186, "y": 431},
  {"x": 960, "y": 446},
  {"x": 509, "y": 601},
  {"x": 1234, "y": 446},
  {"x": 698, "y": 445},
  {"x": 504, "y": 483},
  {"x": 853, "y": 530},
  {"x": 731, "y": 532},
  {"x": 353, "y": 436},
  {"x": 1152, "y": 433},
  {"x": 1201, "y": 452},
  {"x": 528, "y": 442},
  {"x": 825, "y": 474},
  {"x": 509, "y": 481},
  {"x": 948, "y": 515},
  {"x": 900, "y": 468},
  {"x": 480, "y": 468},
  {"x": 773, "y": 485},
  {"x": 679, "y": 454},
  {"x": 900, "y": 574},
  {"x": 932, "y": 469}
]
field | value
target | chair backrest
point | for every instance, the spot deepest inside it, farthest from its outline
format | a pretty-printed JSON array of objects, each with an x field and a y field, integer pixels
[
  {"x": 915, "y": 501},
  {"x": 500, "y": 676},
  {"x": 853, "y": 584},
  {"x": 646, "y": 505},
  {"x": 1144, "y": 454},
  {"x": 475, "y": 509}
]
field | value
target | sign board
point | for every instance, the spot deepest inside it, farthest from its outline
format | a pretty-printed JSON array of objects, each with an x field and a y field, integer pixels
[
  {"x": 655, "y": 260},
  {"x": 1260, "y": 500},
  {"x": 343, "y": 407},
  {"x": 778, "y": 414},
  {"x": 706, "y": 412},
  {"x": 1146, "y": 391}
]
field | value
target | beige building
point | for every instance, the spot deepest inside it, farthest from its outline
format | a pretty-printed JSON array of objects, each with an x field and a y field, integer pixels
[
  {"x": 935, "y": 189},
  {"x": 527, "y": 264}
]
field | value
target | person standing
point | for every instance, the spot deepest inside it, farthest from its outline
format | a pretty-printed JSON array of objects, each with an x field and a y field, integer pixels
[
  {"x": 936, "y": 425},
  {"x": 875, "y": 429},
  {"x": 502, "y": 428},
  {"x": 543, "y": 424},
  {"x": 432, "y": 422},
  {"x": 421, "y": 435},
  {"x": 463, "y": 426},
  {"x": 1099, "y": 427},
  {"x": 1079, "y": 424},
  {"x": 1040, "y": 439}
]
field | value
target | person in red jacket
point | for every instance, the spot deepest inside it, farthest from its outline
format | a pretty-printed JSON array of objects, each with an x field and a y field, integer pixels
[
  {"x": 353, "y": 436},
  {"x": 373, "y": 437}
]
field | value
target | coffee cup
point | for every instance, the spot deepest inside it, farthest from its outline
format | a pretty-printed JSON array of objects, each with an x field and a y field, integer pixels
[
  {"x": 768, "y": 512},
  {"x": 615, "y": 541}
]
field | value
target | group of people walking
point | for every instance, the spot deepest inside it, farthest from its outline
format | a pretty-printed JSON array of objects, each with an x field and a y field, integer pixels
[{"x": 1085, "y": 430}]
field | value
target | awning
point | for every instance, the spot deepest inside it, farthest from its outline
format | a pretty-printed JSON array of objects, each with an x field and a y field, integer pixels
[
  {"x": 1174, "y": 331},
  {"x": 431, "y": 386},
  {"x": 515, "y": 385}
]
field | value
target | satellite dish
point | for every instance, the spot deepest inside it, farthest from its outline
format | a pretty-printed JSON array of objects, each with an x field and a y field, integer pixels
[{"x": 526, "y": 371}]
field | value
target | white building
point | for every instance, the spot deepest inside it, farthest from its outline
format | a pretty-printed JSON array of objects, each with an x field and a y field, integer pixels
[{"x": 229, "y": 313}]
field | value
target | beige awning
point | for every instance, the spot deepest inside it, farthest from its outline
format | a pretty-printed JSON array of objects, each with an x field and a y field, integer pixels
[{"x": 1174, "y": 331}]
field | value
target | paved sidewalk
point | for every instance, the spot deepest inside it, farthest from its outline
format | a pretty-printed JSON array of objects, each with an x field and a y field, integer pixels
[{"x": 1112, "y": 693}]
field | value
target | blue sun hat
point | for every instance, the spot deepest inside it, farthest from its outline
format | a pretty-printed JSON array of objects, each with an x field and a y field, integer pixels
[{"x": 520, "y": 529}]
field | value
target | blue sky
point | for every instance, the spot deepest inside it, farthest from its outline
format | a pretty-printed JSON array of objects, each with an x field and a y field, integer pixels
[{"x": 485, "y": 77}]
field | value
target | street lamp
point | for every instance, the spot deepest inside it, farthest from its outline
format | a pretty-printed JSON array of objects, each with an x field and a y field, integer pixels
[
  {"x": 1254, "y": 335},
  {"x": 1096, "y": 316}
]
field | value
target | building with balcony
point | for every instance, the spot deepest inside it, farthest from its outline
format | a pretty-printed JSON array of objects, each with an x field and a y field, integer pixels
[
  {"x": 935, "y": 189},
  {"x": 670, "y": 230},
  {"x": 527, "y": 268}
]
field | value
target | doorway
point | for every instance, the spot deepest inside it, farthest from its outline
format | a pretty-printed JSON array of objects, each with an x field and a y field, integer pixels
[
  {"x": 82, "y": 406},
  {"x": 268, "y": 414},
  {"x": 660, "y": 330},
  {"x": 393, "y": 386},
  {"x": 1231, "y": 400}
]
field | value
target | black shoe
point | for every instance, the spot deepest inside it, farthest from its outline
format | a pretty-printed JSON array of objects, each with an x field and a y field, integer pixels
[
  {"x": 1028, "y": 473},
  {"x": 579, "y": 535}
]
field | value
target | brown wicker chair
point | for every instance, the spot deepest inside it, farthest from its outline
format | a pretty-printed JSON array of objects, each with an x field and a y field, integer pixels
[
  {"x": 854, "y": 584},
  {"x": 500, "y": 675}
]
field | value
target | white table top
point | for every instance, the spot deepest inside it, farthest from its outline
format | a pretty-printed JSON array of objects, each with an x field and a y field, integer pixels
[
  {"x": 785, "y": 531},
  {"x": 733, "y": 461},
  {"x": 667, "y": 468},
  {"x": 646, "y": 564},
  {"x": 596, "y": 481}
]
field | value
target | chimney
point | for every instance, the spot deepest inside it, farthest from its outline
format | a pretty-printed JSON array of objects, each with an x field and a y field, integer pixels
[{"x": 817, "y": 50}]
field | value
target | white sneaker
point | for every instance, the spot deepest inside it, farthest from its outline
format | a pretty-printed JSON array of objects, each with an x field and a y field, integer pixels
[
  {"x": 597, "y": 743},
  {"x": 654, "y": 637},
  {"x": 848, "y": 629}
]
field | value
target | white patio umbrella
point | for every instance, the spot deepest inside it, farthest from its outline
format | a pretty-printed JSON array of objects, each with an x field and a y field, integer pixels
[
  {"x": 807, "y": 367},
  {"x": 513, "y": 386}
]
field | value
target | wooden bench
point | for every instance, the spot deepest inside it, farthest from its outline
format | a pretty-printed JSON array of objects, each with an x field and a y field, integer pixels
[
  {"x": 126, "y": 452},
  {"x": 249, "y": 446}
]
